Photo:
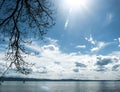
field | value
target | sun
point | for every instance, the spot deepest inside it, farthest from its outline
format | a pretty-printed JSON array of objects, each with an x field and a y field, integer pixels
[
  {"x": 75, "y": 4},
  {"x": 73, "y": 9}
]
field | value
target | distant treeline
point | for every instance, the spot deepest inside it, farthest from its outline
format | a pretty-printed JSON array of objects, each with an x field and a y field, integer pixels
[{"x": 35, "y": 79}]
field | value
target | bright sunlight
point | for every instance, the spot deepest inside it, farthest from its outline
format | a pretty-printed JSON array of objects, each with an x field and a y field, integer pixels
[{"x": 75, "y": 4}]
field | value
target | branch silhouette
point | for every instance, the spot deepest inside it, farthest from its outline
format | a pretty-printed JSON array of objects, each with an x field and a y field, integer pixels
[{"x": 19, "y": 23}]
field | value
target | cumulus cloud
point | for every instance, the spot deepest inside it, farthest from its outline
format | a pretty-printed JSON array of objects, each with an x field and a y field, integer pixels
[
  {"x": 81, "y": 46},
  {"x": 90, "y": 39},
  {"x": 50, "y": 47},
  {"x": 75, "y": 70},
  {"x": 96, "y": 45},
  {"x": 105, "y": 60},
  {"x": 51, "y": 41},
  {"x": 99, "y": 46},
  {"x": 116, "y": 54},
  {"x": 40, "y": 69},
  {"x": 77, "y": 64},
  {"x": 101, "y": 69},
  {"x": 117, "y": 41},
  {"x": 56, "y": 64},
  {"x": 107, "y": 63},
  {"x": 116, "y": 67}
]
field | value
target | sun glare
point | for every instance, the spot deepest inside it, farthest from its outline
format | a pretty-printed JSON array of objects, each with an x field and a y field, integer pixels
[
  {"x": 75, "y": 4},
  {"x": 74, "y": 8}
]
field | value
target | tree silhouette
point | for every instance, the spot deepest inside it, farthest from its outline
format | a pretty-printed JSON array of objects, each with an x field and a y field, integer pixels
[{"x": 20, "y": 22}]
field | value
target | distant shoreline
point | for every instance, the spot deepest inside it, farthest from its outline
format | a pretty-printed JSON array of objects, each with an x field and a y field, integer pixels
[{"x": 57, "y": 80}]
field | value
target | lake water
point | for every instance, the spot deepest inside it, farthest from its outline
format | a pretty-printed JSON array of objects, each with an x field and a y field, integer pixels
[{"x": 94, "y": 86}]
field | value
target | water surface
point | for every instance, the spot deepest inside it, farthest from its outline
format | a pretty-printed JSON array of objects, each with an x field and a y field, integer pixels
[{"x": 81, "y": 86}]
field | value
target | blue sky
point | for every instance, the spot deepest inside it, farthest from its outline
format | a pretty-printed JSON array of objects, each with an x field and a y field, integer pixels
[
  {"x": 84, "y": 43},
  {"x": 97, "y": 21}
]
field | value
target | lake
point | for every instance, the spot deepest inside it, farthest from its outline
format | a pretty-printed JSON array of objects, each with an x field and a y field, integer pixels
[{"x": 81, "y": 86}]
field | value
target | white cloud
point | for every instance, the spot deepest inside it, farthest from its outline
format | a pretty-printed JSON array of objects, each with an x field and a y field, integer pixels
[
  {"x": 119, "y": 41},
  {"x": 90, "y": 39},
  {"x": 116, "y": 53},
  {"x": 51, "y": 41},
  {"x": 71, "y": 65},
  {"x": 115, "y": 39},
  {"x": 81, "y": 46},
  {"x": 99, "y": 46}
]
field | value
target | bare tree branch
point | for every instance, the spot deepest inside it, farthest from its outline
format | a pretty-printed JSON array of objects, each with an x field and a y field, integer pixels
[
  {"x": 29, "y": 17},
  {"x": 13, "y": 13},
  {"x": 2, "y": 2}
]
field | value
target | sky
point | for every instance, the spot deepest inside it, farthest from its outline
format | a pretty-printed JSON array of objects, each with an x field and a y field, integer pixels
[{"x": 84, "y": 43}]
